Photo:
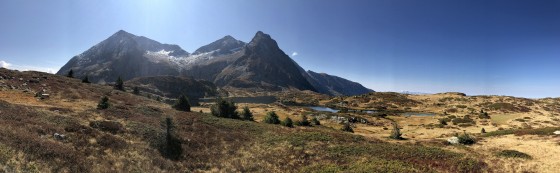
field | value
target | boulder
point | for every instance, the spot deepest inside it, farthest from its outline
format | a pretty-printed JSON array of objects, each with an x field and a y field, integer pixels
[
  {"x": 59, "y": 137},
  {"x": 557, "y": 132},
  {"x": 453, "y": 140}
]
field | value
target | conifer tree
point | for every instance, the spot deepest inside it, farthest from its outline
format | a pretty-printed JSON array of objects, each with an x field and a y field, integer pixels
[
  {"x": 182, "y": 104},
  {"x": 85, "y": 80},
  {"x": 104, "y": 103},
  {"x": 119, "y": 84},
  {"x": 172, "y": 148},
  {"x": 70, "y": 74},
  {"x": 247, "y": 115},
  {"x": 288, "y": 122},
  {"x": 271, "y": 118}
]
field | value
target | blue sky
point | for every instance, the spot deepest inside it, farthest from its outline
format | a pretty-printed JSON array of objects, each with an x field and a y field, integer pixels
[{"x": 500, "y": 47}]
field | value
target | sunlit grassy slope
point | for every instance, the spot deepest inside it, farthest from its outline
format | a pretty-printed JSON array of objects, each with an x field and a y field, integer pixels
[{"x": 127, "y": 137}]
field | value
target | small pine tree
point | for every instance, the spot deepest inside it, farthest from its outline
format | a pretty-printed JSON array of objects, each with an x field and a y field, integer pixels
[
  {"x": 315, "y": 121},
  {"x": 247, "y": 115},
  {"x": 271, "y": 118},
  {"x": 347, "y": 128},
  {"x": 70, "y": 74},
  {"x": 483, "y": 130},
  {"x": 172, "y": 148},
  {"x": 136, "y": 91},
  {"x": 119, "y": 84},
  {"x": 288, "y": 122},
  {"x": 104, "y": 103},
  {"x": 85, "y": 80},
  {"x": 182, "y": 104},
  {"x": 396, "y": 132}
]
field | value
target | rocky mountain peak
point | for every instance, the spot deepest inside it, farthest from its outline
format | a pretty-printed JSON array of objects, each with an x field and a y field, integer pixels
[
  {"x": 263, "y": 43},
  {"x": 225, "y": 45}
]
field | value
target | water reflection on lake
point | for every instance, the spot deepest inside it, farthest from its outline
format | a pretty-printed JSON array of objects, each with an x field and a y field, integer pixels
[{"x": 323, "y": 109}]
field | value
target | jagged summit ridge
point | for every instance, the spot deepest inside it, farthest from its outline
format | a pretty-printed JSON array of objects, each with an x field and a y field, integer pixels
[
  {"x": 225, "y": 45},
  {"x": 227, "y": 62}
]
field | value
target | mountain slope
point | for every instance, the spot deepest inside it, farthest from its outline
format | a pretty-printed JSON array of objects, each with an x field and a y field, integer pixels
[
  {"x": 227, "y": 62},
  {"x": 125, "y": 55},
  {"x": 263, "y": 65},
  {"x": 334, "y": 85}
]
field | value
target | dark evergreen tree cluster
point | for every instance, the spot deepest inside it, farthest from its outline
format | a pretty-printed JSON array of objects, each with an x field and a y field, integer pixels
[
  {"x": 225, "y": 109},
  {"x": 182, "y": 104}
]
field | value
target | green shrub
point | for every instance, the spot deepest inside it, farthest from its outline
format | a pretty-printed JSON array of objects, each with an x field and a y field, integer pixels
[
  {"x": 271, "y": 118},
  {"x": 104, "y": 103},
  {"x": 304, "y": 121},
  {"x": 396, "y": 132},
  {"x": 347, "y": 128},
  {"x": 315, "y": 121},
  {"x": 225, "y": 109},
  {"x": 108, "y": 126},
  {"x": 484, "y": 115},
  {"x": 513, "y": 154},
  {"x": 136, "y": 91},
  {"x": 288, "y": 122},
  {"x": 182, "y": 104},
  {"x": 443, "y": 121},
  {"x": 466, "y": 139}
]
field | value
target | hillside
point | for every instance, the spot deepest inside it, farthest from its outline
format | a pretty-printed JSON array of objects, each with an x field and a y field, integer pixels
[
  {"x": 334, "y": 85},
  {"x": 172, "y": 87},
  {"x": 128, "y": 136}
]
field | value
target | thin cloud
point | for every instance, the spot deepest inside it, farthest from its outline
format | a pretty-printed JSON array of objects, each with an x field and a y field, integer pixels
[
  {"x": 294, "y": 54},
  {"x": 7, "y": 65}
]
